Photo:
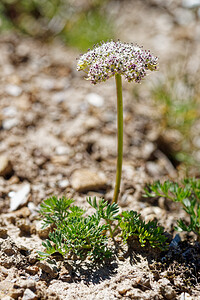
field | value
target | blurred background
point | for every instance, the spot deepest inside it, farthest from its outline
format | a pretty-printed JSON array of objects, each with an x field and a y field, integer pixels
[
  {"x": 79, "y": 23},
  {"x": 171, "y": 29}
]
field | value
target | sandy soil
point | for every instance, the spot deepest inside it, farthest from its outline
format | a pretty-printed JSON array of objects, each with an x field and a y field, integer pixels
[{"x": 57, "y": 129}]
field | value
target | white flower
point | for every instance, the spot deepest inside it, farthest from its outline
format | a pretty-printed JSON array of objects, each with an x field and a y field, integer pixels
[{"x": 110, "y": 58}]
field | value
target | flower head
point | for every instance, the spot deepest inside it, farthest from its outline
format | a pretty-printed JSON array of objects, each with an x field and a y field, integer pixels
[{"x": 110, "y": 58}]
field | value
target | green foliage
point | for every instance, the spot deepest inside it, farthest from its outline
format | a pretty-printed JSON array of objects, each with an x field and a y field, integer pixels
[
  {"x": 147, "y": 233},
  {"x": 87, "y": 29},
  {"x": 80, "y": 238},
  {"x": 178, "y": 113},
  {"x": 79, "y": 25},
  {"x": 106, "y": 211},
  {"x": 73, "y": 234},
  {"x": 86, "y": 237},
  {"x": 55, "y": 210},
  {"x": 179, "y": 105},
  {"x": 188, "y": 194}
]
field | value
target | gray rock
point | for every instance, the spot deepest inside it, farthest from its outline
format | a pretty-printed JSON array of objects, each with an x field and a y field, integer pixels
[
  {"x": 175, "y": 241},
  {"x": 84, "y": 180}
]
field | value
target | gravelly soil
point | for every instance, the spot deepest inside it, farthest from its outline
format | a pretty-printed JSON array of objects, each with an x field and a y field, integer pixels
[{"x": 57, "y": 129}]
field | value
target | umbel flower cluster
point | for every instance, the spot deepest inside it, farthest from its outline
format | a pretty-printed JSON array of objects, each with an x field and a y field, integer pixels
[{"x": 111, "y": 58}]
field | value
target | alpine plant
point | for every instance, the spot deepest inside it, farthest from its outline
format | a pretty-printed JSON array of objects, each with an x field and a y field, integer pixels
[{"x": 114, "y": 58}]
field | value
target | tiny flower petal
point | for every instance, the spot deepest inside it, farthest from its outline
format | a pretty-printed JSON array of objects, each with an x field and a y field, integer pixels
[{"x": 110, "y": 58}]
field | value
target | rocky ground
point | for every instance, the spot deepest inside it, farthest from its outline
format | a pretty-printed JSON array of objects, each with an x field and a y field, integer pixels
[{"x": 58, "y": 137}]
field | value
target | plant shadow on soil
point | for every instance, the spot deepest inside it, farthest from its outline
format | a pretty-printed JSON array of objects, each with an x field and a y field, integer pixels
[
  {"x": 86, "y": 272},
  {"x": 92, "y": 273},
  {"x": 180, "y": 264}
]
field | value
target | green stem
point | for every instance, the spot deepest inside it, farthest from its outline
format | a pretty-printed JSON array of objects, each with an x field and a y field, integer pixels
[
  {"x": 118, "y": 80},
  {"x": 110, "y": 229}
]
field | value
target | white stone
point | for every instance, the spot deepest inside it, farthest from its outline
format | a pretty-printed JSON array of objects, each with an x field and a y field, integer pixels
[
  {"x": 185, "y": 296},
  {"x": 32, "y": 208},
  {"x": 62, "y": 150},
  {"x": 29, "y": 295},
  {"x": 10, "y": 111},
  {"x": 63, "y": 183},
  {"x": 95, "y": 99},
  {"x": 10, "y": 123},
  {"x": 13, "y": 90},
  {"x": 154, "y": 169},
  {"x": 20, "y": 197}
]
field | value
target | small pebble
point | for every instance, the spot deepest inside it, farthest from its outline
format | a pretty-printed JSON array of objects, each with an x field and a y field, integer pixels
[
  {"x": 32, "y": 270},
  {"x": 3, "y": 233},
  {"x": 13, "y": 90},
  {"x": 42, "y": 232},
  {"x": 62, "y": 150},
  {"x": 185, "y": 296},
  {"x": 85, "y": 180},
  {"x": 10, "y": 123},
  {"x": 5, "y": 165},
  {"x": 20, "y": 197},
  {"x": 16, "y": 293},
  {"x": 10, "y": 111},
  {"x": 24, "y": 226},
  {"x": 51, "y": 269},
  {"x": 63, "y": 183},
  {"x": 29, "y": 295},
  {"x": 95, "y": 100}
]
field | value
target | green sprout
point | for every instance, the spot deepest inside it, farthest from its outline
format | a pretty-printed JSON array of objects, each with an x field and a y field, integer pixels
[{"x": 116, "y": 59}]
